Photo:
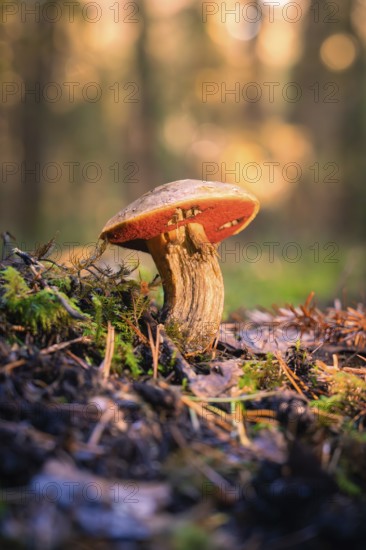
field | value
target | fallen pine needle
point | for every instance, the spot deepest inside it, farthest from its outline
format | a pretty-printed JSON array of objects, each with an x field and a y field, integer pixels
[
  {"x": 77, "y": 360},
  {"x": 154, "y": 346},
  {"x": 109, "y": 350},
  {"x": 13, "y": 365},
  {"x": 250, "y": 397},
  {"x": 242, "y": 432},
  {"x": 201, "y": 410},
  {"x": 288, "y": 373},
  {"x": 62, "y": 345},
  {"x": 100, "y": 427},
  {"x": 355, "y": 370},
  {"x": 137, "y": 331}
]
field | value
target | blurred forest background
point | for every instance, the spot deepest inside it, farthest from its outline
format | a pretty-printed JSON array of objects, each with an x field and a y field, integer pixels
[{"x": 102, "y": 101}]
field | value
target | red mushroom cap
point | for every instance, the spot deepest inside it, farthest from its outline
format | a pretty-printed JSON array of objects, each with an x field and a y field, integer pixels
[{"x": 221, "y": 208}]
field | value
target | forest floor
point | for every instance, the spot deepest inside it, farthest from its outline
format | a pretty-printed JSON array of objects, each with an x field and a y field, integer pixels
[{"x": 112, "y": 438}]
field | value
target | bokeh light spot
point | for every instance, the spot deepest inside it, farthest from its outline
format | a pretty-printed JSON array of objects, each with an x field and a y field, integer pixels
[{"x": 338, "y": 52}]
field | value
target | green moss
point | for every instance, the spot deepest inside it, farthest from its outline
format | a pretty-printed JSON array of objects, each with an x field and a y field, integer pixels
[
  {"x": 260, "y": 375},
  {"x": 124, "y": 356},
  {"x": 347, "y": 395},
  {"x": 175, "y": 334},
  {"x": 191, "y": 537},
  {"x": 326, "y": 404},
  {"x": 34, "y": 309},
  {"x": 346, "y": 484}
]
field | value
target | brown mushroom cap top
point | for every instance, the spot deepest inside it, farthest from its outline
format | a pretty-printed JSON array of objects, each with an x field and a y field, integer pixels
[{"x": 221, "y": 208}]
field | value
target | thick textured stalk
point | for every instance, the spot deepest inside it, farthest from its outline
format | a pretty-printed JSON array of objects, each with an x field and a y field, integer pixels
[{"x": 192, "y": 283}]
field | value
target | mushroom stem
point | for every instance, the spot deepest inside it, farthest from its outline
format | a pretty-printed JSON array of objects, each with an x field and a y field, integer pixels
[{"x": 192, "y": 283}]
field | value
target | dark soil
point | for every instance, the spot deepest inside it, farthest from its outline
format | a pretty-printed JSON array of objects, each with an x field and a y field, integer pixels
[{"x": 259, "y": 443}]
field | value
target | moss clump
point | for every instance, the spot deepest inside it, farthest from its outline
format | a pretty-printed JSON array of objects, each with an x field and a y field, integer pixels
[
  {"x": 260, "y": 375},
  {"x": 124, "y": 357},
  {"x": 36, "y": 310},
  {"x": 346, "y": 395}
]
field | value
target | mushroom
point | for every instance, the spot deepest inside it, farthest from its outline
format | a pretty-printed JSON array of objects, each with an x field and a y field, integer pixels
[{"x": 180, "y": 225}]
